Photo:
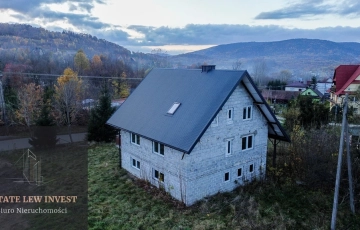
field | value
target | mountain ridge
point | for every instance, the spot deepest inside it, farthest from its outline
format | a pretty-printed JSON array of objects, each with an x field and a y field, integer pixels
[{"x": 297, "y": 55}]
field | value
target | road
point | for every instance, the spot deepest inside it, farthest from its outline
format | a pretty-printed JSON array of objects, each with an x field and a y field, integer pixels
[{"x": 22, "y": 143}]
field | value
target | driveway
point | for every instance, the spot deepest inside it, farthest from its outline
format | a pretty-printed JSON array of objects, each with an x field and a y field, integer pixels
[{"x": 23, "y": 143}]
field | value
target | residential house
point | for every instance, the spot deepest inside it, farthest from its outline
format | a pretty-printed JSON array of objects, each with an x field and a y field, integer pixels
[
  {"x": 296, "y": 86},
  {"x": 314, "y": 93},
  {"x": 279, "y": 96},
  {"x": 346, "y": 80},
  {"x": 196, "y": 132},
  {"x": 324, "y": 85}
]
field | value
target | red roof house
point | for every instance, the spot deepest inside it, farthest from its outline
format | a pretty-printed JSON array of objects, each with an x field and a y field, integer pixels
[{"x": 346, "y": 80}]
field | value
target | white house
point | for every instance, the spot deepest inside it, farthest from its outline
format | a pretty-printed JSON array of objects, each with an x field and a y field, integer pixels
[
  {"x": 196, "y": 132},
  {"x": 324, "y": 85},
  {"x": 296, "y": 86}
]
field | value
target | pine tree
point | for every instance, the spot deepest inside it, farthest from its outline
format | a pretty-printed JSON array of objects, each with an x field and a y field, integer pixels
[
  {"x": 45, "y": 131},
  {"x": 98, "y": 130}
]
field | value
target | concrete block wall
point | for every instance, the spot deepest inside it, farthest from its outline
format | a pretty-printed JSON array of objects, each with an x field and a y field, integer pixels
[
  {"x": 208, "y": 162},
  {"x": 170, "y": 164},
  {"x": 201, "y": 173}
]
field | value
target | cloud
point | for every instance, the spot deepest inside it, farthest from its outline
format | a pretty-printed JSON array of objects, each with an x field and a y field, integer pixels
[
  {"x": 349, "y": 8},
  {"x": 39, "y": 9},
  {"x": 309, "y": 8},
  {"x": 195, "y": 34},
  {"x": 304, "y": 8}
]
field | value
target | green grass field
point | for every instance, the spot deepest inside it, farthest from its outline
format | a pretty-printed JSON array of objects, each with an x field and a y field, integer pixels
[{"x": 118, "y": 201}]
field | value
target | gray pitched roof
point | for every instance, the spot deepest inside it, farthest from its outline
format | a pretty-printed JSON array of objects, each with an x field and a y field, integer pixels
[{"x": 201, "y": 94}]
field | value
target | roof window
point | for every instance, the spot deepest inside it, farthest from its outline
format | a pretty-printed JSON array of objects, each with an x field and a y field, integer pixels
[{"x": 173, "y": 108}]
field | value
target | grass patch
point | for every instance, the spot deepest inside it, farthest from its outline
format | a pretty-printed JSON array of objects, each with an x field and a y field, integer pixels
[{"x": 119, "y": 201}]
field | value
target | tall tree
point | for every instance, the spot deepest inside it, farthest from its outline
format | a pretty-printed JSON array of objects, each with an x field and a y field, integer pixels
[
  {"x": 81, "y": 62},
  {"x": 68, "y": 95},
  {"x": 45, "y": 131},
  {"x": 11, "y": 102},
  {"x": 96, "y": 65},
  {"x": 30, "y": 100},
  {"x": 97, "y": 129},
  {"x": 259, "y": 71}
]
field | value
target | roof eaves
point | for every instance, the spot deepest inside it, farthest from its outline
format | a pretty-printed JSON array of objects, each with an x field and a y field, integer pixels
[
  {"x": 286, "y": 137},
  {"x": 354, "y": 75}
]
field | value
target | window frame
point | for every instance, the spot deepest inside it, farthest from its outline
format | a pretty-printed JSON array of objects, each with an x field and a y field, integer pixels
[
  {"x": 248, "y": 112},
  {"x": 158, "y": 175},
  {"x": 173, "y": 108},
  {"x": 227, "y": 174},
  {"x": 229, "y": 147},
  {"x": 160, "y": 148},
  {"x": 230, "y": 115},
  {"x": 137, "y": 164},
  {"x": 246, "y": 138},
  {"x": 135, "y": 139},
  {"x": 241, "y": 172},
  {"x": 251, "y": 168}
]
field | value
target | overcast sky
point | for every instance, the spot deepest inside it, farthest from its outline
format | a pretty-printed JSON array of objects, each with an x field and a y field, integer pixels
[{"x": 181, "y": 26}]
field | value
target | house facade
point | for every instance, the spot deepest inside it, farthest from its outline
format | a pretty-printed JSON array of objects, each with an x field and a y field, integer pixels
[
  {"x": 346, "y": 80},
  {"x": 296, "y": 86},
  {"x": 314, "y": 93},
  {"x": 279, "y": 96},
  {"x": 324, "y": 85},
  {"x": 199, "y": 133}
]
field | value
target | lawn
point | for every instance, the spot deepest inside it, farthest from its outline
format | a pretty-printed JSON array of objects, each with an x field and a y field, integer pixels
[{"x": 118, "y": 201}]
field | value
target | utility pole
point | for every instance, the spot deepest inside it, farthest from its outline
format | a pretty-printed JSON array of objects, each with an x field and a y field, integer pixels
[
  {"x": 348, "y": 156},
  {"x": 338, "y": 172}
]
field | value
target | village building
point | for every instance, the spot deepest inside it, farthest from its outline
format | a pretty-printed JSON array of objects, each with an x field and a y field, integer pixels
[
  {"x": 196, "y": 132},
  {"x": 346, "y": 80}
]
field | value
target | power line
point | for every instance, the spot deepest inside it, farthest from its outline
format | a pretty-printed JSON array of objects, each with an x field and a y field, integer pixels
[{"x": 58, "y": 75}]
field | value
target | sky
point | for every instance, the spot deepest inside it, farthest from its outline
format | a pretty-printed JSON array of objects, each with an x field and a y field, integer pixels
[{"x": 176, "y": 26}]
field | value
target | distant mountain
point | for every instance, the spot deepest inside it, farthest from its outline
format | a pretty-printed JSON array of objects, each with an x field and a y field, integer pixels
[
  {"x": 22, "y": 44},
  {"x": 300, "y": 56},
  {"x": 25, "y": 36}
]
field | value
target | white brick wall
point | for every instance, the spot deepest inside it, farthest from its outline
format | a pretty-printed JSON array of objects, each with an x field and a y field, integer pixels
[{"x": 201, "y": 173}]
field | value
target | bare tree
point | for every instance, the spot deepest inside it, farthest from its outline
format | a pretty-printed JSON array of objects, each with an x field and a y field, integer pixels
[
  {"x": 236, "y": 65},
  {"x": 259, "y": 71}
]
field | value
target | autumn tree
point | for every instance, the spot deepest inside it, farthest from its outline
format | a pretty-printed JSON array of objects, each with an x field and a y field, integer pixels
[
  {"x": 81, "y": 62},
  {"x": 96, "y": 65},
  {"x": 121, "y": 88},
  {"x": 30, "y": 100},
  {"x": 68, "y": 95}
]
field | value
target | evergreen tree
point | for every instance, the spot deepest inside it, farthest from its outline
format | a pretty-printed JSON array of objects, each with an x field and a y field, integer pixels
[
  {"x": 45, "y": 131},
  {"x": 98, "y": 130}
]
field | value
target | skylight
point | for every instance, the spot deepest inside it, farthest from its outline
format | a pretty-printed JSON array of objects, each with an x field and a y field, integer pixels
[{"x": 173, "y": 108}]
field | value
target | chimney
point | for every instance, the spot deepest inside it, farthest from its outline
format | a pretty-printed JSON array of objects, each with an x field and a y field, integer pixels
[{"x": 207, "y": 68}]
